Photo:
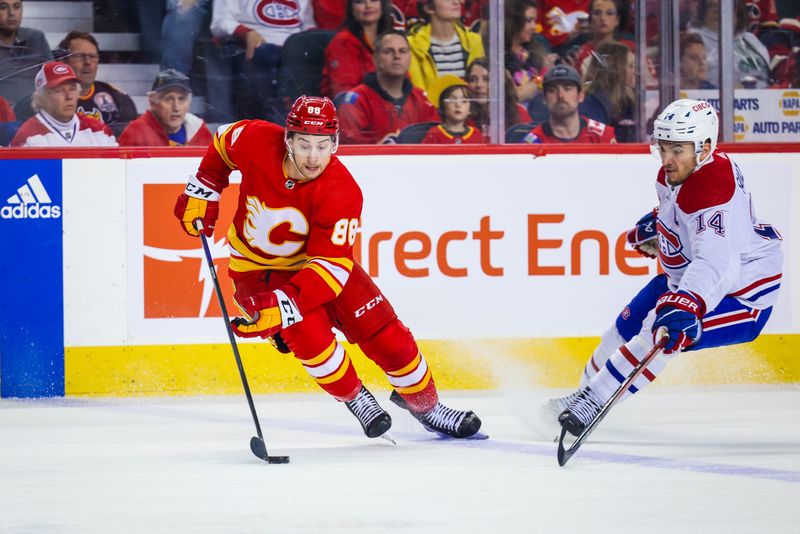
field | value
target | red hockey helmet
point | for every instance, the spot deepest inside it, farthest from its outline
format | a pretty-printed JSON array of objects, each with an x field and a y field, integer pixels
[{"x": 313, "y": 115}]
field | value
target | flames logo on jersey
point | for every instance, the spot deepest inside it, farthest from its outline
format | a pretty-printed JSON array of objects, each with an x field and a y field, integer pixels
[
  {"x": 262, "y": 221},
  {"x": 670, "y": 248},
  {"x": 283, "y": 13}
]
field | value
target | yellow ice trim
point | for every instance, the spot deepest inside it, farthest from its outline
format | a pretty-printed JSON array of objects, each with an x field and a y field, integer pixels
[
  {"x": 324, "y": 355},
  {"x": 338, "y": 374},
  {"x": 465, "y": 364},
  {"x": 332, "y": 282},
  {"x": 418, "y": 387},
  {"x": 408, "y": 368}
]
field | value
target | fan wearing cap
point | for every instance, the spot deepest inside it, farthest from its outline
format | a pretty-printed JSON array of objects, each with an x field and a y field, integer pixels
[
  {"x": 57, "y": 122},
  {"x": 292, "y": 264},
  {"x": 451, "y": 94},
  {"x": 722, "y": 265},
  {"x": 563, "y": 93},
  {"x": 168, "y": 121}
]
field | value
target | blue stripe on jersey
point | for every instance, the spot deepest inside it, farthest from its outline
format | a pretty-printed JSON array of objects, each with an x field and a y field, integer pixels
[{"x": 762, "y": 293}]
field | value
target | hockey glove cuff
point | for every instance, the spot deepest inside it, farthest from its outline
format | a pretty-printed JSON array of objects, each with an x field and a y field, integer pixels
[
  {"x": 268, "y": 313},
  {"x": 680, "y": 312},
  {"x": 644, "y": 236},
  {"x": 198, "y": 201}
]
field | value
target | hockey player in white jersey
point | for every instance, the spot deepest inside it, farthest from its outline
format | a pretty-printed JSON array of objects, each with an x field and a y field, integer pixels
[{"x": 722, "y": 266}]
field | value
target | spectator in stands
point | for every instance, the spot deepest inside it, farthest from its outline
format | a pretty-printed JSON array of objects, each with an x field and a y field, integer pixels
[
  {"x": 750, "y": 57},
  {"x": 179, "y": 31},
  {"x": 349, "y": 55},
  {"x": 562, "y": 95},
  {"x": 606, "y": 18},
  {"x": 442, "y": 45},
  {"x": 478, "y": 82},
  {"x": 526, "y": 56},
  {"x": 22, "y": 51},
  {"x": 98, "y": 100},
  {"x": 56, "y": 122},
  {"x": 611, "y": 79},
  {"x": 6, "y": 112},
  {"x": 386, "y": 102},
  {"x": 694, "y": 63},
  {"x": 168, "y": 121},
  {"x": 260, "y": 29},
  {"x": 451, "y": 95}
]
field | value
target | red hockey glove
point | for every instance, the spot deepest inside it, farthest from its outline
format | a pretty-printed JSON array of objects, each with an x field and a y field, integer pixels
[
  {"x": 197, "y": 201},
  {"x": 680, "y": 313},
  {"x": 644, "y": 236},
  {"x": 270, "y": 313}
]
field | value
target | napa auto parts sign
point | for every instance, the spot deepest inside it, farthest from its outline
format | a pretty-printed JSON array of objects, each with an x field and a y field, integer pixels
[{"x": 469, "y": 246}]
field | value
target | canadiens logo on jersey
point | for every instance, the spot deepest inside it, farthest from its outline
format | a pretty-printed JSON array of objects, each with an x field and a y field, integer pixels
[
  {"x": 670, "y": 248},
  {"x": 283, "y": 13}
]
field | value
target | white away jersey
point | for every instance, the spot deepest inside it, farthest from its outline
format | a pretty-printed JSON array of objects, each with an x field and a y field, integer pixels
[
  {"x": 275, "y": 20},
  {"x": 710, "y": 241}
]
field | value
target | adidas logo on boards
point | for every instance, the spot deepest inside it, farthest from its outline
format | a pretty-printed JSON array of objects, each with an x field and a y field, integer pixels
[{"x": 30, "y": 202}]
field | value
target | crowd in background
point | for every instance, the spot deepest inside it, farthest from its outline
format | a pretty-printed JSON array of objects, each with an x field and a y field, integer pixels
[{"x": 397, "y": 70}]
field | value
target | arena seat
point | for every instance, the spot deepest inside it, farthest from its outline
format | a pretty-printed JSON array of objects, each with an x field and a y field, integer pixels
[
  {"x": 414, "y": 133},
  {"x": 516, "y": 133},
  {"x": 303, "y": 59}
]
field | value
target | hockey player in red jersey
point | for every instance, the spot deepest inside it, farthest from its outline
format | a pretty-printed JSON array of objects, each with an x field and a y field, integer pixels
[
  {"x": 722, "y": 265},
  {"x": 291, "y": 262}
]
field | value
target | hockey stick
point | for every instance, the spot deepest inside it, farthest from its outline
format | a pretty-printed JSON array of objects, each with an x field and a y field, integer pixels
[
  {"x": 257, "y": 444},
  {"x": 565, "y": 454}
]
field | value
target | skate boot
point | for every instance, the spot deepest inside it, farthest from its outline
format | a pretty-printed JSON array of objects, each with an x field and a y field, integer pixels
[
  {"x": 441, "y": 419},
  {"x": 374, "y": 419},
  {"x": 553, "y": 407},
  {"x": 580, "y": 412}
]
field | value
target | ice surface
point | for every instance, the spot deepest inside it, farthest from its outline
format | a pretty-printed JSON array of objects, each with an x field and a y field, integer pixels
[{"x": 705, "y": 460}]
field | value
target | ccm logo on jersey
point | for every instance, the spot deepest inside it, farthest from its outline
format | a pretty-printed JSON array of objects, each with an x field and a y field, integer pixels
[{"x": 368, "y": 306}]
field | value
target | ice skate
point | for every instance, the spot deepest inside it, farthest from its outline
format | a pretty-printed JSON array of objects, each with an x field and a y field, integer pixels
[
  {"x": 551, "y": 409},
  {"x": 444, "y": 420},
  {"x": 374, "y": 419},
  {"x": 579, "y": 413}
]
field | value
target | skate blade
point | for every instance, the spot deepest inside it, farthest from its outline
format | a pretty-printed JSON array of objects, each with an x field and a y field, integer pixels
[{"x": 388, "y": 437}]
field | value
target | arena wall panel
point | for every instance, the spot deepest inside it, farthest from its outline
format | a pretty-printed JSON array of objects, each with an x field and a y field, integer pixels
[{"x": 505, "y": 263}]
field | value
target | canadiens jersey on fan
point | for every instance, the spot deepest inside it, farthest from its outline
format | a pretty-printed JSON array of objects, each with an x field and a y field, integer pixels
[
  {"x": 281, "y": 224},
  {"x": 711, "y": 242}
]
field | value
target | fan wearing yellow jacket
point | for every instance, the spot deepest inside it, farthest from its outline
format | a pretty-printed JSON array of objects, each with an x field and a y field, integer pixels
[{"x": 442, "y": 45}]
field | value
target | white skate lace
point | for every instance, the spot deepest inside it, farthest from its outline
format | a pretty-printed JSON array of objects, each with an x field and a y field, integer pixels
[
  {"x": 365, "y": 407},
  {"x": 560, "y": 404},
  {"x": 442, "y": 418},
  {"x": 584, "y": 408}
]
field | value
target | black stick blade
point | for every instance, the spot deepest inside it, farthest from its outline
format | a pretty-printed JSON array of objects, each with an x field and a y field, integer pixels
[
  {"x": 278, "y": 459},
  {"x": 565, "y": 455},
  {"x": 259, "y": 448}
]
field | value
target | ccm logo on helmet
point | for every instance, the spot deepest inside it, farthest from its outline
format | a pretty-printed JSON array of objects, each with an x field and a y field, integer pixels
[
  {"x": 701, "y": 105},
  {"x": 314, "y": 123}
]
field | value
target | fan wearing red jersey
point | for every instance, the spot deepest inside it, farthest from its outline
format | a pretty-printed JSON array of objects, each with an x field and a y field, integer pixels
[{"x": 291, "y": 262}]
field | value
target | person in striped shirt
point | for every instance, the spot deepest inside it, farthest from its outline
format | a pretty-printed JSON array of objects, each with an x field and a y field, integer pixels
[{"x": 442, "y": 45}]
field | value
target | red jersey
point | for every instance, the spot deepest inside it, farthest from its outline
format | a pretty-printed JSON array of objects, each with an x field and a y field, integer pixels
[
  {"x": 559, "y": 18},
  {"x": 441, "y": 136},
  {"x": 6, "y": 113},
  {"x": 591, "y": 131},
  {"x": 347, "y": 60},
  {"x": 368, "y": 115},
  {"x": 146, "y": 131},
  {"x": 281, "y": 224}
]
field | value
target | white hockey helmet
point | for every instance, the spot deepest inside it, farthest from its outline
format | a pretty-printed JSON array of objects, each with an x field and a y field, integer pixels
[{"x": 688, "y": 120}]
